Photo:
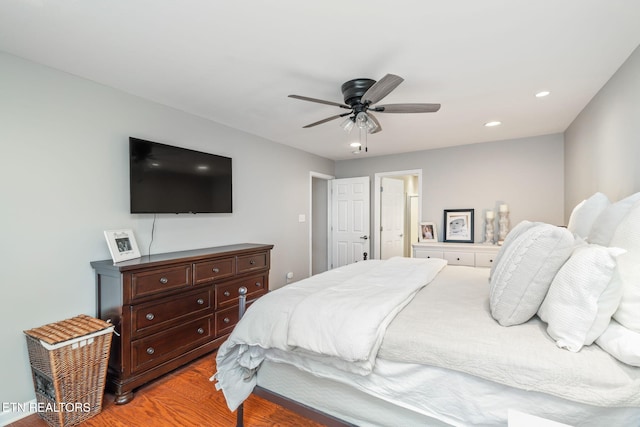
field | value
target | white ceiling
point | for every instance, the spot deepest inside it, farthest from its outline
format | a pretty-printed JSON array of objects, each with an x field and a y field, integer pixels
[{"x": 235, "y": 62}]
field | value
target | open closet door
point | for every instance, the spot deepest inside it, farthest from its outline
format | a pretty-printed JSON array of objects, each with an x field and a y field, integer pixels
[
  {"x": 349, "y": 220},
  {"x": 392, "y": 216}
]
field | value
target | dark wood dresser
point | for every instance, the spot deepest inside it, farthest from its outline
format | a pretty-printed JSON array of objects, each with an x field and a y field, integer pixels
[{"x": 171, "y": 308}]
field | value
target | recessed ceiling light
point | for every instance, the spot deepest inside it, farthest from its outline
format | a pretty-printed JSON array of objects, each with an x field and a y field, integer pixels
[
  {"x": 542, "y": 94},
  {"x": 491, "y": 124}
]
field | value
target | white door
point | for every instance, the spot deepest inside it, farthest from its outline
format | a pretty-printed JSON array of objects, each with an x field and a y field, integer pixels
[
  {"x": 392, "y": 228},
  {"x": 349, "y": 220}
]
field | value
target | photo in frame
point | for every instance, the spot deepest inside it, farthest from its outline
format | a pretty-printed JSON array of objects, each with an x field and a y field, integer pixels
[
  {"x": 122, "y": 245},
  {"x": 458, "y": 225},
  {"x": 428, "y": 232}
]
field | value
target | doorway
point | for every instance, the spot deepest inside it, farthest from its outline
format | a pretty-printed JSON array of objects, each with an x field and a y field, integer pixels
[
  {"x": 393, "y": 216},
  {"x": 319, "y": 222}
]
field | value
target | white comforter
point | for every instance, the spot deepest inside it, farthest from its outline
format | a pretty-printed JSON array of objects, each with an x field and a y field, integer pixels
[{"x": 338, "y": 318}]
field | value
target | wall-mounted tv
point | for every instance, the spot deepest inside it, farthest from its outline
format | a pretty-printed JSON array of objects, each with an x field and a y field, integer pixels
[{"x": 168, "y": 179}]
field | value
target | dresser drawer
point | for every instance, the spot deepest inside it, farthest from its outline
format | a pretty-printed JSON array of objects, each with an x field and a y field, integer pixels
[
  {"x": 226, "y": 319},
  {"x": 460, "y": 258},
  {"x": 150, "y": 315},
  {"x": 485, "y": 260},
  {"x": 212, "y": 270},
  {"x": 155, "y": 349},
  {"x": 419, "y": 253},
  {"x": 154, "y": 281},
  {"x": 227, "y": 294},
  {"x": 253, "y": 262}
]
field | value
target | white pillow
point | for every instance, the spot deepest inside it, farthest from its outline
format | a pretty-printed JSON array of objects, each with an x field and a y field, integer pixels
[
  {"x": 585, "y": 213},
  {"x": 627, "y": 236},
  {"x": 525, "y": 271},
  {"x": 621, "y": 343},
  {"x": 582, "y": 297},
  {"x": 516, "y": 231},
  {"x": 606, "y": 223}
]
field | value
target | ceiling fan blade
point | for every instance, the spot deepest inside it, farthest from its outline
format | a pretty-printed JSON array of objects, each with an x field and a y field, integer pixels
[
  {"x": 328, "y": 119},
  {"x": 381, "y": 88},
  {"x": 320, "y": 101},
  {"x": 407, "y": 108},
  {"x": 374, "y": 120}
]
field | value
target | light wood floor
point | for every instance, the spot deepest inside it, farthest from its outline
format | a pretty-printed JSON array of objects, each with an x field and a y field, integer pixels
[{"x": 183, "y": 398}]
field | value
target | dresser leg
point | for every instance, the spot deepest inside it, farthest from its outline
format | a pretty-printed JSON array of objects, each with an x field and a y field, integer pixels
[{"x": 122, "y": 398}]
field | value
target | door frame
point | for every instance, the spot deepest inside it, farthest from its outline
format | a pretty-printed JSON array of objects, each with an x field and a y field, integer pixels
[
  {"x": 327, "y": 178},
  {"x": 376, "y": 203}
]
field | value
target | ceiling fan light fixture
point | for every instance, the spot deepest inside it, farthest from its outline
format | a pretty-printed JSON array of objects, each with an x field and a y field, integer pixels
[
  {"x": 493, "y": 123},
  {"x": 355, "y": 144},
  {"x": 362, "y": 120},
  {"x": 542, "y": 93},
  {"x": 347, "y": 124}
]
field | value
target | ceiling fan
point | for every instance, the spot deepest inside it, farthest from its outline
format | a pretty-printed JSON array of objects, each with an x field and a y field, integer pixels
[{"x": 360, "y": 95}]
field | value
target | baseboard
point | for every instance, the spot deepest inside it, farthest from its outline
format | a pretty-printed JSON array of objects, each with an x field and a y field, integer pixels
[{"x": 12, "y": 412}]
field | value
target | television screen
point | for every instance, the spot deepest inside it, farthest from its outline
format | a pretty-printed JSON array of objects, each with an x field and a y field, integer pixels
[{"x": 168, "y": 179}]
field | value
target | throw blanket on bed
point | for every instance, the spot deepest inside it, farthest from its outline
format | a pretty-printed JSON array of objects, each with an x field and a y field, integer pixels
[{"x": 338, "y": 318}]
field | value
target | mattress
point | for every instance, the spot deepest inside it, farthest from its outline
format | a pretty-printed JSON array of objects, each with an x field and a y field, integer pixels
[{"x": 436, "y": 397}]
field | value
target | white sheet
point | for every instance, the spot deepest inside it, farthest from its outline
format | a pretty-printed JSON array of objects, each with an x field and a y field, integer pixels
[
  {"x": 448, "y": 324},
  {"x": 340, "y": 304}
]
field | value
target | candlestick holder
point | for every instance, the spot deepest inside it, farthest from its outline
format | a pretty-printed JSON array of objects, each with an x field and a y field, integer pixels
[
  {"x": 489, "y": 231},
  {"x": 503, "y": 224}
]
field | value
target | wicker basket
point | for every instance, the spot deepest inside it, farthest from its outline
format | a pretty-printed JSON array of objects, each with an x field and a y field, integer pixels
[{"x": 69, "y": 367}]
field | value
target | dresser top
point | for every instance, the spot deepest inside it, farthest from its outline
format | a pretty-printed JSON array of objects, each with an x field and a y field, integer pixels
[
  {"x": 181, "y": 256},
  {"x": 464, "y": 247}
]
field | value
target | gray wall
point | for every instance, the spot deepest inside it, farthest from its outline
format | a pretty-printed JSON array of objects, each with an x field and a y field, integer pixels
[
  {"x": 603, "y": 143},
  {"x": 64, "y": 178},
  {"x": 527, "y": 174}
]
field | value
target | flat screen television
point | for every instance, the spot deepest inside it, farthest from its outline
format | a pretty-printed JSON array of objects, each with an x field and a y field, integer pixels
[{"x": 168, "y": 179}]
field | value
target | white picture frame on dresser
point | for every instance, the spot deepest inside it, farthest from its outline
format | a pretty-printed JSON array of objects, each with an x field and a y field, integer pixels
[
  {"x": 122, "y": 245},
  {"x": 428, "y": 232},
  {"x": 469, "y": 254}
]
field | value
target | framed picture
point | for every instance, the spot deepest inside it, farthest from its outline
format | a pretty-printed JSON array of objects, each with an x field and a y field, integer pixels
[
  {"x": 458, "y": 225},
  {"x": 428, "y": 232},
  {"x": 122, "y": 245}
]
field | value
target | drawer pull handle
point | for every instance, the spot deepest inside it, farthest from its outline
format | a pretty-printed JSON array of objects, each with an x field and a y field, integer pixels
[
  {"x": 215, "y": 270},
  {"x": 200, "y": 301},
  {"x": 227, "y": 293},
  {"x": 200, "y": 331},
  {"x": 164, "y": 280},
  {"x": 226, "y": 320},
  {"x": 252, "y": 262},
  {"x": 150, "y": 316},
  {"x": 150, "y": 350},
  {"x": 258, "y": 284}
]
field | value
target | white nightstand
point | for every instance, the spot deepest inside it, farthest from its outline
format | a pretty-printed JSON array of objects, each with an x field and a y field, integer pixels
[{"x": 471, "y": 254}]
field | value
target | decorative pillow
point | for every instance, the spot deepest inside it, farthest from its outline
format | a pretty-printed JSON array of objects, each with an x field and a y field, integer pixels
[
  {"x": 516, "y": 231},
  {"x": 627, "y": 236},
  {"x": 605, "y": 225},
  {"x": 585, "y": 213},
  {"x": 525, "y": 271},
  {"x": 621, "y": 343},
  {"x": 582, "y": 297}
]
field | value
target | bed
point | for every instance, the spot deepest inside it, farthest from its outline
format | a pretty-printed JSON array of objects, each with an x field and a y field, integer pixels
[{"x": 416, "y": 342}]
